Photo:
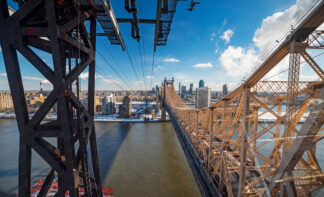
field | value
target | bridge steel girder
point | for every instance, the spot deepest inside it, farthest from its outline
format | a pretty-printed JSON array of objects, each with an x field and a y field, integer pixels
[
  {"x": 207, "y": 186},
  {"x": 223, "y": 138},
  {"x": 303, "y": 142},
  {"x": 49, "y": 26},
  {"x": 241, "y": 155}
]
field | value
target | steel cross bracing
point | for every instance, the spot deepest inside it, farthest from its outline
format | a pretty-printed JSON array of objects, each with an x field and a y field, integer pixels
[
  {"x": 59, "y": 29},
  {"x": 217, "y": 136},
  {"x": 240, "y": 154}
]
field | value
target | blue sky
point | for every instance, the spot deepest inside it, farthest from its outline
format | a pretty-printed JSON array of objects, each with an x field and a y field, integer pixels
[{"x": 219, "y": 42}]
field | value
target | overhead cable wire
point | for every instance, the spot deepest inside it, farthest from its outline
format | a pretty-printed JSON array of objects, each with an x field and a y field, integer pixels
[
  {"x": 145, "y": 71},
  {"x": 102, "y": 73},
  {"x": 139, "y": 48},
  {"x": 152, "y": 67},
  {"x": 131, "y": 62},
  {"x": 112, "y": 67},
  {"x": 110, "y": 78},
  {"x": 288, "y": 69},
  {"x": 116, "y": 62},
  {"x": 143, "y": 43},
  {"x": 115, "y": 70}
]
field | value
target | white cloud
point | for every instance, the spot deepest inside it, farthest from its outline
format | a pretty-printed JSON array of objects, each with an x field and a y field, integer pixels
[
  {"x": 29, "y": 78},
  {"x": 171, "y": 60},
  {"x": 309, "y": 77},
  {"x": 159, "y": 68},
  {"x": 279, "y": 72},
  {"x": 238, "y": 61},
  {"x": 179, "y": 76},
  {"x": 111, "y": 81},
  {"x": 149, "y": 77},
  {"x": 45, "y": 81},
  {"x": 219, "y": 86},
  {"x": 203, "y": 65},
  {"x": 138, "y": 82},
  {"x": 212, "y": 36},
  {"x": 33, "y": 78},
  {"x": 227, "y": 35},
  {"x": 277, "y": 25},
  {"x": 224, "y": 22},
  {"x": 84, "y": 75}
]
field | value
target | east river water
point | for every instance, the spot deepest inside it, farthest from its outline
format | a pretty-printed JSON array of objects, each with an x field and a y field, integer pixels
[{"x": 136, "y": 159}]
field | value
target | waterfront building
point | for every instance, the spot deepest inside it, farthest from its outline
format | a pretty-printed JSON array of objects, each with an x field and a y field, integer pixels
[
  {"x": 97, "y": 104},
  {"x": 6, "y": 103},
  {"x": 125, "y": 109},
  {"x": 109, "y": 104},
  {"x": 201, "y": 83},
  {"x": 202, "y": 97}
]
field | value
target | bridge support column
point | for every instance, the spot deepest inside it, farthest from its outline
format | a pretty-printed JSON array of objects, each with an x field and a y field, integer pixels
[
  {"x": 244, "y": 140},
  {"x": 60, "y": 31}
]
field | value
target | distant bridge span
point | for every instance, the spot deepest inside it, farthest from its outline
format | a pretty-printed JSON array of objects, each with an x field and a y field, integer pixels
[{"x": 232, "y": 153}]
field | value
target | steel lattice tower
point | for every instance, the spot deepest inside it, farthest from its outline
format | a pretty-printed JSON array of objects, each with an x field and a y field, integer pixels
[{"x": 59, "y": 29}]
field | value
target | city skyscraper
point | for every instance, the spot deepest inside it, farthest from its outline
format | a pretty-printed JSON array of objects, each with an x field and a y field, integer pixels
[
  {"x": 202, "y": 97},
  {"x": 157, "y": 90},
  {"x": 109, "y": 104},
  {"x": 201, "y": 83},
  {"x": 225, "y": 89},
  {"x": 183, "y": 90},
  {"x": 179, "y": 88},
  {"x": 191, "y": 89}
]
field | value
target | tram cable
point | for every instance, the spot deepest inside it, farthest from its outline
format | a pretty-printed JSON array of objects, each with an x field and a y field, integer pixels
[
  {"x": 102, "y": 73},
  {"x": 120, "y": 68},
  {"x": 152, "y": 68},
  {"x": 288, "y": 69},
  {"x": 112, "y": 67},
  {"x": 131, "y": 62}
]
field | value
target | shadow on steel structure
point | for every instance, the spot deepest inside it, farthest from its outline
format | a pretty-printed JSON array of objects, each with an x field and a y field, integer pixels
[{"x": 58, "y": 28}]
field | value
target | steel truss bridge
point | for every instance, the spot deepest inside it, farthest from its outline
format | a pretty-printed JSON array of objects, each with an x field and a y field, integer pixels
[{"x": 232, "y": 153}]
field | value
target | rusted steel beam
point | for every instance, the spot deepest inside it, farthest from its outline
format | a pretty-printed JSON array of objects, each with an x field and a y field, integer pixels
[
  {"x": 68, "y": 128},
  {"x": 244, "y": 141},
  {"x": 309, "y": 129}
]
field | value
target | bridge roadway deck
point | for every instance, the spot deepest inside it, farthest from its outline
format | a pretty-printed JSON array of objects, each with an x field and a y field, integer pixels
[{"x": 206, "y": 186}]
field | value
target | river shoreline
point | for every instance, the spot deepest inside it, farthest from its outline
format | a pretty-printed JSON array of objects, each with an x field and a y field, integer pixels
[
  {"x": 97, "y": 118},
  {"x": 263, "y": 118}
]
